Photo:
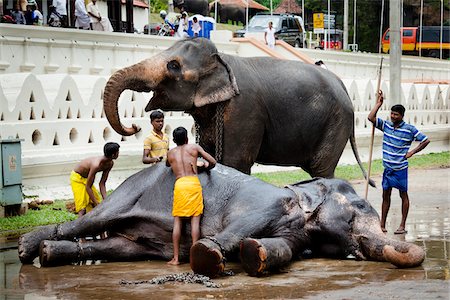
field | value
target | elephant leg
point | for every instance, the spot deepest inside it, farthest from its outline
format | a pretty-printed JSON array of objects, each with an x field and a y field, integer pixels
[
  {"x": 261, "y": 255},
  {"x": 207, "y": 255},
  {"x": 91, "y": 224},
  {"x": 207, "y": 258},
  {"x": 57, "y": 253},
  {"x": 29, "y": 242},
  {"x": 329, "y": 152}
]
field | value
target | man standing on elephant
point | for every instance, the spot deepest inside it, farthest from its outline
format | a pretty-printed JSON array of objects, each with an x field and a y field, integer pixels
[
  {"x": 187, "y": 194},
  {"x": 156, "y": 145},
  {"x": 397, "y": 139}
]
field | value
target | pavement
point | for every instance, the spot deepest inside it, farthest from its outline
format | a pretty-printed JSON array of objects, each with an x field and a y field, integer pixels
[{"x": 428, "y": 226}]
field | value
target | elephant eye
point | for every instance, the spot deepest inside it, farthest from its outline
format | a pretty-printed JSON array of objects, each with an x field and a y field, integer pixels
[{"x": 174, "y": 66}]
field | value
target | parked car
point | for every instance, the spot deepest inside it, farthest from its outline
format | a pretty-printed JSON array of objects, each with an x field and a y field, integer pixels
[{"x": 287, "y": 28}]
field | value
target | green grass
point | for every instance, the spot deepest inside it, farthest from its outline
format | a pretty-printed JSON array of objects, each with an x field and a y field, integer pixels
[
  {"x": 48, "y": 214},
  {"x": 352, "y": 172},
  {"x": 57, "y": 213}
]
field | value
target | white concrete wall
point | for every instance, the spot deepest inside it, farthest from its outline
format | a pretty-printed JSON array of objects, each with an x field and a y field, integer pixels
[{"x": 52, "y": 81}]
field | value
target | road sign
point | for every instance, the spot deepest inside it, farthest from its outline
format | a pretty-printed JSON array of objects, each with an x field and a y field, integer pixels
[{"x": 318, "y": 21}]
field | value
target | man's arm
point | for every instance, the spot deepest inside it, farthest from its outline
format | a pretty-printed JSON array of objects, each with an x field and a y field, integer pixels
[
  {"x": 373, "y": 114},
  {"x": 211, "y": 161},
  {"x": 102, "y": 184},
  {"x": 419, "y": 148},
  {"x": 89, "y": 183},
  {"x": 148, "y": 159},
  {"x": 265, "y": 36}
]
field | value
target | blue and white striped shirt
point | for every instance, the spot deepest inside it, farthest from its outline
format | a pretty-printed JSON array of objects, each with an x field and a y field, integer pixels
[{"x": 396, "y": 142}]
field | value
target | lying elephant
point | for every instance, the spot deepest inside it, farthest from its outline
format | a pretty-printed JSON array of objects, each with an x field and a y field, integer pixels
[
  {"x": 248, "y": 110},
  {"x": 267, "y": 225}
]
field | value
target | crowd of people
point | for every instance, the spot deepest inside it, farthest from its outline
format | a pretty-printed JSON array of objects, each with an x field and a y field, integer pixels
[{"x": 86, "y": 16}]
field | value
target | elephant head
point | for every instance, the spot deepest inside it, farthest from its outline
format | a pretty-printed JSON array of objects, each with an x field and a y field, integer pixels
[
  {"x": 340, "y": 223},
  {"x": 189, "y": 74}
]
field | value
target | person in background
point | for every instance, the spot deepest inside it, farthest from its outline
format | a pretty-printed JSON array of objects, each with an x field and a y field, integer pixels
[
  {"x": 269, "y": 36},
  {"x": 98, "y": 22},
  {"x": 397, "y": 139},
  {"x": 182, "y": 24},
  {"x": 196, "y": 26},
  {"x": 18, "y": 15},
  {"x": 54, "y": 20},
  {"x": 82, "y": 18},
  {"x": 156, "y": 145},
  {"x": 61, "y": 10}
]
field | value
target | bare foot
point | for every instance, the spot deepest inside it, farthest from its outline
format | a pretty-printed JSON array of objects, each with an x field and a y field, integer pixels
[
  {"x": 383, "y": 229},
  {"x": 173, "y": 262}
]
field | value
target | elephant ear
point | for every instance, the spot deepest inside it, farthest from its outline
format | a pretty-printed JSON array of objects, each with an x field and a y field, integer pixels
[{"x": 217, "y": 84}]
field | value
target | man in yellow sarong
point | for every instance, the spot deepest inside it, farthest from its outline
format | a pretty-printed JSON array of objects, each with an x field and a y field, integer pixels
[
  {"x": 82, "y": 178},
  {"x": 187, "y": 194}
]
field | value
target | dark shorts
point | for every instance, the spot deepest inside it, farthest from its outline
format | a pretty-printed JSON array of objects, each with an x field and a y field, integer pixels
[{"x": 395, "y": 179}]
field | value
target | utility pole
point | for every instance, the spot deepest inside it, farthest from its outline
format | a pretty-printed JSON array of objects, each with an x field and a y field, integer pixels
[
  {"x": 345, "y": 24},
  {"x": 395, "y": 52}
]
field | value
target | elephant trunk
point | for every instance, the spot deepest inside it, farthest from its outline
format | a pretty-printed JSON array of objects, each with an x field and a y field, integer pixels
[
  {"x": 400, "y": 254},
  {"x": 141, "y": 77}
]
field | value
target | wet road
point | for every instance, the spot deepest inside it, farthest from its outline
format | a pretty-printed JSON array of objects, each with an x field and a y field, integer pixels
[{"x": 428, "y": 225}]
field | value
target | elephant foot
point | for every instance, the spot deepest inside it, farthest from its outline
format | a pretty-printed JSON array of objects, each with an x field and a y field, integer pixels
[
  {"x": 206, "y": 258},
  {"x": 57, "y": 253},
  {"x": 253, "y": 257},
  {"x": 29, "y": 243}
]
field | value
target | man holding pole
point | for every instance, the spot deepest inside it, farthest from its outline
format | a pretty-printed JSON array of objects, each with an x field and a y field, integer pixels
[{"x": 397, "y": 139}]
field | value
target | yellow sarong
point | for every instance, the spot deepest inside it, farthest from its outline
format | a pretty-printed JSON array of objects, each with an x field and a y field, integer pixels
[
  {"x": 187, "y": 197},
  {"x": 80, "y": 195}
]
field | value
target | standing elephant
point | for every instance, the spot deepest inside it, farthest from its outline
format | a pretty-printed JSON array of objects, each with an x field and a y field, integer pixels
[
  {"x": 248, "y": 110},
  {"x": 235, "y": 14},
  {"x": 193, "y": 6},
  {"x": 266, "y": 226}
]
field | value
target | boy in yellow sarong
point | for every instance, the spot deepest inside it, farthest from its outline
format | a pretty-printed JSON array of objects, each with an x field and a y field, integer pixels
[
  {"x": 187, "y": 194},
  {"x": 82, "y": 178}
]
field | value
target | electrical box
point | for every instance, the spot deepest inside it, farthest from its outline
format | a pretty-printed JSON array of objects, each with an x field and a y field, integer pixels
[{"x": 10, "y": 172}]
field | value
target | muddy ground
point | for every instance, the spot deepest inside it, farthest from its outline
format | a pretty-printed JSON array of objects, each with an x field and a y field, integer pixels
[{"x": 428, "y": 225}]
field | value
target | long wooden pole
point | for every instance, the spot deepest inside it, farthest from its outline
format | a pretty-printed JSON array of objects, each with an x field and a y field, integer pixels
[{"x": 373, "y": 132}]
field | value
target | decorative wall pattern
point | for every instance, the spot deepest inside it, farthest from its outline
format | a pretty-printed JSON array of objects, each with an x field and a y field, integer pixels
[{"x": 51, "y": 87}]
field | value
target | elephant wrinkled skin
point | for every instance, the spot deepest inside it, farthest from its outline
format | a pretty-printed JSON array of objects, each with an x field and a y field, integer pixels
[
  {"x": 266, "y": 226},
  {"x": 274, "y": 111}
]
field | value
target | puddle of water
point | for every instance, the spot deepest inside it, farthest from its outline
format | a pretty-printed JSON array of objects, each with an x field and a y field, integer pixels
[
  {"x": 306, "y": 278},
  {"x": 428, "y": 225}
]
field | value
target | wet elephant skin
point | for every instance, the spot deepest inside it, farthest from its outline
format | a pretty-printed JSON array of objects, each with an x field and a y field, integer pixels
[{"x": 265, "y": 226}]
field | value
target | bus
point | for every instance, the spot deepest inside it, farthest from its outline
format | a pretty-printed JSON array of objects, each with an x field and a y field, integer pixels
[
  {"x": 335, "y": 42},
  {"x": 431, "y": 41}
]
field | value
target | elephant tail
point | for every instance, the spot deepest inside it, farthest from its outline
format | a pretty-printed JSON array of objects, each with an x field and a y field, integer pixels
[{"x": 355, "y": 152}]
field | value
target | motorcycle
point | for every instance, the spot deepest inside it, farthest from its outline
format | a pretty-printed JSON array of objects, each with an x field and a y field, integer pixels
[{"x": 165, "y": 29}]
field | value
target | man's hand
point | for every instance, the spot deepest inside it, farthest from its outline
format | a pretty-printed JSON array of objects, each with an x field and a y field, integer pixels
[
  {"x": 380, "y": 98},
  {"x": 409, "y": 154}
]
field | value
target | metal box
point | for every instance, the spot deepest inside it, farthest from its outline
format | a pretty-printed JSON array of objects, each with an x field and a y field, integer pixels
[{"x": 10, "y": 172}]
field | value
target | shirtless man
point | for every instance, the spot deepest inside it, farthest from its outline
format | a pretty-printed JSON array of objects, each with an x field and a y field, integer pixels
[
  {"x": 187, "y": 194},
  {"x": 82, "y": 178}
]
